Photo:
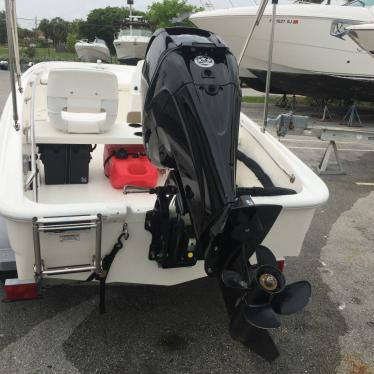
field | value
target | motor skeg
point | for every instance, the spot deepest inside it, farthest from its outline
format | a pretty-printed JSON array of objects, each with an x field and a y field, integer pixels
[{"x": 191, "y": 118}]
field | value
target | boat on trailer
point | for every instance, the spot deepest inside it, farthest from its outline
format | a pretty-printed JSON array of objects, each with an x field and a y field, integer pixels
[
  {"x": 312, "y": 54},
  {"x": 92, "y": 51},
  {"x": 229, "y": 200},
  {"x": 132, "y": 40}
]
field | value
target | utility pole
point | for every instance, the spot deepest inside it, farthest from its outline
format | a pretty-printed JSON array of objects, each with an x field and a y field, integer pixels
[
  {"x": 130, "y": 3},
  {"x": 36, "y": 30}
]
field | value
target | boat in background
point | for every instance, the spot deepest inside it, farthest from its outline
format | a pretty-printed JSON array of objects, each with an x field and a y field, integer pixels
[
  {"x": 92, "y": 51},
  {"x": 132, "y": 41},
  {"x": 363, "y": 35},
  {"x": 312, "y": 54}
]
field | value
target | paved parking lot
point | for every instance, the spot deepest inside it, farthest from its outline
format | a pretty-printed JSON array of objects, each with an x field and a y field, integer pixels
[{"x": 183, "y": 329}]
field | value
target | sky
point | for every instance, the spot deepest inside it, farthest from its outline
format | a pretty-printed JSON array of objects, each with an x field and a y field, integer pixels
[{"x": 71, "y": 9}]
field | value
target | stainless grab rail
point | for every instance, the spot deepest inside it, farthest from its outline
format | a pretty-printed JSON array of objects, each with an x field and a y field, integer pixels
[
  {"x": 14, "y": 70},
  {"x": 66, "y": 227},
  {"x": 33, "y": 143},
  {"x": 69, "y": 270},
  {"x": 66, "y": 219}
]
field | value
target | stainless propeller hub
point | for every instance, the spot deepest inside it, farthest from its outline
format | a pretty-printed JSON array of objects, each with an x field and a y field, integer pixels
[{"x": 268, "y": 282}]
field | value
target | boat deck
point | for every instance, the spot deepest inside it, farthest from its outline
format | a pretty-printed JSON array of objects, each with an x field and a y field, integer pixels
[{"x": 98, "y": 190}]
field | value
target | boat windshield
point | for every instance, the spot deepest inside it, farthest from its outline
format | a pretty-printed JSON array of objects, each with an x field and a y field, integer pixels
[
  {"x": 136, "y": 31},
  {"x": 99, "y": 41},
  {"x": 360, "y": 3}
]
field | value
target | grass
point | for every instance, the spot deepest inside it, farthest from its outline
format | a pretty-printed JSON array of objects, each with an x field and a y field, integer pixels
[
  {"x": 52, "y": 54},
  {"x": 3, "y": 53},
  {"x": 307, "y": 101},
  {"x": 273, "y": 99},
  {"x": 258, "y": 99},
  {"x": 41, "y": 54}
]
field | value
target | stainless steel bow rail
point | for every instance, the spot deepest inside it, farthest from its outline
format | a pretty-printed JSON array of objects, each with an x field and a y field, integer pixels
[{"x": 62, "y": 224}]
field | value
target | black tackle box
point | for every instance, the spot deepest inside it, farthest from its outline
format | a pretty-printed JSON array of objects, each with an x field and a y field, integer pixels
[{"x": 65, "y": 163}]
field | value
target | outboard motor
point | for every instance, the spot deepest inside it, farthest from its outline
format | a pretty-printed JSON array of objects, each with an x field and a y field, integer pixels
[
  {"x": 191, "y": 118},
  {"x": 192, "y": 99}
]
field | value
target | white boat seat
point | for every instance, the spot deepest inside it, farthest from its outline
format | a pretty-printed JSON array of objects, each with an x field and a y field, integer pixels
[{"x": 81, "y": 101}]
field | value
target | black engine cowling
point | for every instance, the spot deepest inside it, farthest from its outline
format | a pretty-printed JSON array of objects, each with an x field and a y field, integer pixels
[{"x": 191, "y": 117}]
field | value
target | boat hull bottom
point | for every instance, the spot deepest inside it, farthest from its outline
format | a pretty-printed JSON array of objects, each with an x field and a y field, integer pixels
[
  {"x": 259, "y": 85},
  {"x": 89, "y": 55},
  {"x": 130, "y": 50},
  {"x": 315, "y": 85}
]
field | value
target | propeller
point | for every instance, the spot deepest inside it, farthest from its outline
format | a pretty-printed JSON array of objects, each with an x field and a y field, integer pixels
[
  {"x": 261, "y": 316},
  {"x": 265, "y": 256},
  {"x": 294, "y": 298},
  {"x": 264, "y": 296}
]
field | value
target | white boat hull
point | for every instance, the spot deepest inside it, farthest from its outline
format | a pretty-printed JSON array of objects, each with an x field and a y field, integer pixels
[
  {"x": 132, "y": 264},
  {"x": 131, "y": 48},
  {"x": 91, "y": 52},
  {"x": 307, "y": 58}
]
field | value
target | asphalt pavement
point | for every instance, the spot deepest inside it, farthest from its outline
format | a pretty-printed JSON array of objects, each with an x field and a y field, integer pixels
[{"x": 184, "y": 328}]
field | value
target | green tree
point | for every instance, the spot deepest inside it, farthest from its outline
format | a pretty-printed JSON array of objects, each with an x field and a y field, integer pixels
[
  {"x": 59, "y": 30},
  {"x": 25, "y": 33},
  {"x": 45, "y": 28},
  {"x": 161, "y": 14},
  {"x": 104, "y": 22},
  {"x": 71, "y": 39},
  {"x": 22, "y": 33},
  {"x": 3, "y": 37},
  {"x": 75, "y": 27},
  {"x": 30, "y": 52},
  {"x": 56, "y": 29}
]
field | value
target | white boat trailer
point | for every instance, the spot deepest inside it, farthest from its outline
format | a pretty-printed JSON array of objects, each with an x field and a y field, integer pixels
[
  {"x": 298, "y": 125},
  {"x": 333, "y": 135}
]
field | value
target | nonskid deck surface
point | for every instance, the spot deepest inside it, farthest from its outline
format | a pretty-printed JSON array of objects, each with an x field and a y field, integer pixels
[{"x": 99, "y": 189}]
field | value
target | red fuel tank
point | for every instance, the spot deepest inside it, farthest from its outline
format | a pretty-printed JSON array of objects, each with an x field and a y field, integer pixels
[{"x": 127, "y": 165}]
